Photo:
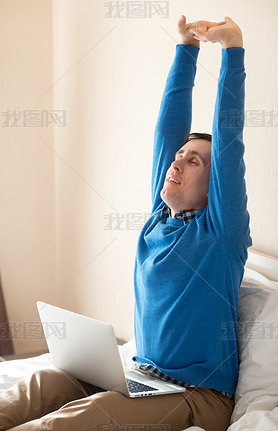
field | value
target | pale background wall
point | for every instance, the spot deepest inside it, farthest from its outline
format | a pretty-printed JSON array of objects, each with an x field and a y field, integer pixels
[
  {"x": 60, "y": 184},
  {"x": 27, "y": 224}
]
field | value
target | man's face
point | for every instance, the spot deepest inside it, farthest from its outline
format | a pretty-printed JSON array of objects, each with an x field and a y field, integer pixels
[{"x": 192, "y": 171}]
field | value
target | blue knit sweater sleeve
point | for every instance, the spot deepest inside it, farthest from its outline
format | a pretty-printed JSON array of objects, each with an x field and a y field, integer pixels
[
  {"x": 227, "y": 199},
  {"x": 174, "y": 118}
]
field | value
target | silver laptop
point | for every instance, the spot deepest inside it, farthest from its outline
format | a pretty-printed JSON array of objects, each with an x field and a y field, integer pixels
[{"x": 87, "y": 349}]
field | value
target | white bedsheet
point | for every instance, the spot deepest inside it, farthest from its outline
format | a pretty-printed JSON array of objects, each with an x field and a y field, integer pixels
[
  {"x": 12, "y": 371},
  {"x": 258, "y": 420}
]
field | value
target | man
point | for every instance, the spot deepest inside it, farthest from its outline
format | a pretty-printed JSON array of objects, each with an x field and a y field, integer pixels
[{"x": 188, "y": 268}]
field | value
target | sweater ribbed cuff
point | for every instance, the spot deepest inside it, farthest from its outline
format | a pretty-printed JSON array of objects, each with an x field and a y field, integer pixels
[
  {"x": 232, "y": 57},
  {"x": 187, "y": 53}
]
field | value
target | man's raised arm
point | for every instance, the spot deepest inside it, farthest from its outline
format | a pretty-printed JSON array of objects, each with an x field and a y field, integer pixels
[
  {"x": 227, "y": 200},
  {"x": 175, "y": 114}
]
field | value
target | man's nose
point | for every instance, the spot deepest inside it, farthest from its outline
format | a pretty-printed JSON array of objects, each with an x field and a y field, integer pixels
[{"x": 176, "y": 164}]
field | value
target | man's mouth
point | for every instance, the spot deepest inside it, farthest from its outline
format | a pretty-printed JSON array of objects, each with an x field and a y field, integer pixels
[{"x": 174, "y": 180}]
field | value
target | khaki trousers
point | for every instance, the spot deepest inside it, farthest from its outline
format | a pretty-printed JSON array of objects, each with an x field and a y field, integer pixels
[{"x": 55, "y": 400}]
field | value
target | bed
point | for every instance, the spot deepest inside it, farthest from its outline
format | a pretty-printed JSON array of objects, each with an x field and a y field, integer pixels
[{"x": 256, "y": 398}]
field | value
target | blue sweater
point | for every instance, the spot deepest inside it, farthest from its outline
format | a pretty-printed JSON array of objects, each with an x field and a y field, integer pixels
[{"x": 187, "y": 276}]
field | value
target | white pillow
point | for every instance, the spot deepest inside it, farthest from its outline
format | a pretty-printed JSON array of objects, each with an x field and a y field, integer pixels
[
  {"x": 127, "y": 351},
  {"x": 257, "y": 387}
]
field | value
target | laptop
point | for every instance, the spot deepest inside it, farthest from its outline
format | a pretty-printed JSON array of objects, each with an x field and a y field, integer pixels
[{"x": 87, "y": 349}]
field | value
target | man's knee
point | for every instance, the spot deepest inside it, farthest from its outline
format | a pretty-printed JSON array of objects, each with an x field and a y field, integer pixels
[
  {"x": 46, "y": 375},
  {"x": 55, "y": 379},
  {"x": 107, "y": 400}
]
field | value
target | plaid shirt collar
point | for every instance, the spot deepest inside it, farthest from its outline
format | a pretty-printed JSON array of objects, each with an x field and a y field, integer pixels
[{"x": 185, "y": 215}]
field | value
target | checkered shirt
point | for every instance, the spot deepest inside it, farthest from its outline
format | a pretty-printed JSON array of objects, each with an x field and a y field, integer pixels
[
  {"x": 185, "y": 215},
  {"x": 157, "y": 373}
]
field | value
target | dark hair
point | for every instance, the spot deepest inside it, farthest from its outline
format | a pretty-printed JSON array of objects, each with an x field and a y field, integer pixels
[{"x": 191, "y": 136}]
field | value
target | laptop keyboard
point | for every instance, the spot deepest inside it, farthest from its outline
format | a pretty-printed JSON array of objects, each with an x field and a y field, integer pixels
[{"x": 138, "y": 387}]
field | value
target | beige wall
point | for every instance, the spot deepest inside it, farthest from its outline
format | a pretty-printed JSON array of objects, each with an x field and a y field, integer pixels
[
  {"x": 27, "y": 228},
  {"x": 109, "y": 74}
]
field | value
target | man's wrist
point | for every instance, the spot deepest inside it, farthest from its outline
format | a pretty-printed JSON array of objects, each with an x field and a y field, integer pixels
[
  {"x": 232, "y": 46},
  {"x": 190, "y": 42},
  {"x": 232, "y": 43}
]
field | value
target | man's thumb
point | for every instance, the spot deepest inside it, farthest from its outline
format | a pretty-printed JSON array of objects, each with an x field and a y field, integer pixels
[
  {"x": 196, "y": 32},
  {"x": 227, "y": 19}
]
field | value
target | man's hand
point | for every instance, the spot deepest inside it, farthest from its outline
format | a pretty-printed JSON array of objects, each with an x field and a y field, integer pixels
[
  {"x": 227, "y": 33},
  {"x": 184, "y": 29}
]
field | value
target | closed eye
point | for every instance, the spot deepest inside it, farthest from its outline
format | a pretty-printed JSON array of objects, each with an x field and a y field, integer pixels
[{"x": 190, "y": 161}]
